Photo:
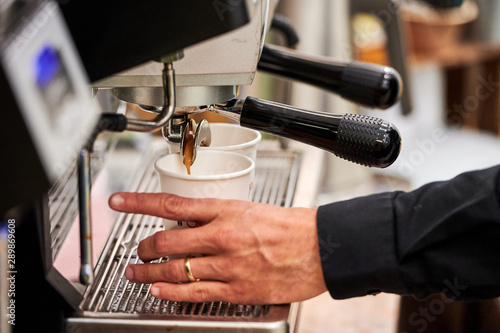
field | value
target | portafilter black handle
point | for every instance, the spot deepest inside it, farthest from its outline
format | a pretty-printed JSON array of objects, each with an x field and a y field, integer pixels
[
  {"x": 370, "y": 85},
  {"x": 360, "y": 139}
]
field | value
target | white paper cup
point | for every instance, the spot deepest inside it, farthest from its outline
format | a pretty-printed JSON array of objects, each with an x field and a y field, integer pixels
[
  {"x": 233, "y": 138},
  {"x": 229, "y": 137},
  {"x": 214, "y": 174}
]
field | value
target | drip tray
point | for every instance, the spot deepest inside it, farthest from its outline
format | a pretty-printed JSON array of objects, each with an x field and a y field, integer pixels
[{"x": 113, "y": 304}]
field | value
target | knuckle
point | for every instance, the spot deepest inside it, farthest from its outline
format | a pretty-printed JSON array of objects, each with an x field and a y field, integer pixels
[
  {"x": 217, "y": 268},
  {"x": 238, "y": 292},
  {"x": 226, "y": 237},
  {"x": 172, "y": 205},
  {"x": 198, "y": 293},
  {"x": 241, "y": 294},
  {"x": 159, "y": 242},
  {"x": 141, "y": 251},
  {"x": 173, "y": 272},
  {"x": 230, "y": 269}
]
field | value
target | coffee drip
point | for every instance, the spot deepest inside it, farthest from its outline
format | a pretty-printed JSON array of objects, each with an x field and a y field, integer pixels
[
  {"x": 193, "y": 136},
  {"x": 188, "y": 145}
]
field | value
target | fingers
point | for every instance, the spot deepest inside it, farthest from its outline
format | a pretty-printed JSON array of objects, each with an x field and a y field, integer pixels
[
  {"x": 168, "y": 206},
  {"x": 173, "y": 271},
  {"x": 170, "y": 242},
  {"x": 204, "y": 291},
  {"x": 194, "y": 240}
]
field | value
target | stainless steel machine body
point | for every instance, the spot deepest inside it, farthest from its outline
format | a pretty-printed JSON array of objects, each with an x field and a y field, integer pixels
[{"x": 209, "y": 72}]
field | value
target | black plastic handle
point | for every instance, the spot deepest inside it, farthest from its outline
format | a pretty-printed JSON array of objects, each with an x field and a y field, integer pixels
[
  {"x": 366, "y": 84},
  {"x": 360, "y": 139}
]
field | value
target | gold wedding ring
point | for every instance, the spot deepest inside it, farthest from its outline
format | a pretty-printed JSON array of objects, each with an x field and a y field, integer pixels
[{"x": 187, "y": 267}]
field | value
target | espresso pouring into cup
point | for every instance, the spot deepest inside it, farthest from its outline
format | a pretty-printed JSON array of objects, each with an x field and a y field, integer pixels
[
  {"x": 187, "y": 149},
  {"x": 193, "y": 136}
]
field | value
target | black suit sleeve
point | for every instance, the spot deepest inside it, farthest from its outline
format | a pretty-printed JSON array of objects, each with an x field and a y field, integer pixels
[{"x": 441, "y": 238}]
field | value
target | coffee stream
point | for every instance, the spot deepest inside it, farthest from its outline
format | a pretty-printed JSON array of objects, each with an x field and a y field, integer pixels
[{"x": 188, "y": 150}]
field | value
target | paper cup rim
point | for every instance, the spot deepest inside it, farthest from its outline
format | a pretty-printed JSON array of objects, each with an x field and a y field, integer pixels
[
  {"x": 207, "y": 177},
  {"x": 238, "y": 146}
]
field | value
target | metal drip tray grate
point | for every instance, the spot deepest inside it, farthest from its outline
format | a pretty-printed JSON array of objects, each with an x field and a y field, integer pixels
[{"x": 113, "y": 296}]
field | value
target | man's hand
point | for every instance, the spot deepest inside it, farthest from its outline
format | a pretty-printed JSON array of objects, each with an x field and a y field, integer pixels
[{"x": 252, "y": 253}]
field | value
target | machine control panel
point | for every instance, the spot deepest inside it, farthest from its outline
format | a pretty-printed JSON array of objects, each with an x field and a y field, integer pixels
[{"x": 45, "y": 96}]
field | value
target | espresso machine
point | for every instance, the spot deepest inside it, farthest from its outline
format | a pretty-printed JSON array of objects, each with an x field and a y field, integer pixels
[{"x": 172, "y": 59}]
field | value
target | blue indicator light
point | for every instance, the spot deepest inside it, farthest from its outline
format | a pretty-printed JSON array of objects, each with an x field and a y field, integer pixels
[{"x": 46, "y": 66}]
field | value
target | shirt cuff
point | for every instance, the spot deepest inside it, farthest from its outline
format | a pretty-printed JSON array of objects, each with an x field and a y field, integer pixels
[{"x": 357, "y": 244}]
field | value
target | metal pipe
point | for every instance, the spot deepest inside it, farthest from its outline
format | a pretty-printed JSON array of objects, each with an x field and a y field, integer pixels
[
  {"x": 84, "y": 181},
  {"x": 173, "y": 131},
  {"x": 140, "y": 125}
]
